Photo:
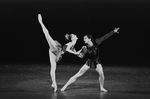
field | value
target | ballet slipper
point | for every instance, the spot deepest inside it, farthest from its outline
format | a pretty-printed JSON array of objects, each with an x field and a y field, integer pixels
[
  {"x": 63, "y": 89},
  {"x": 55, "y": 87},
  {"x": 103, "y": 90}
]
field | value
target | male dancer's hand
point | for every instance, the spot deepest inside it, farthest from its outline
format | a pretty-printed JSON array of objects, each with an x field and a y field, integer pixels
[
  {"x": 116, "y": 30},
  {"x": 80, "y": 55}
]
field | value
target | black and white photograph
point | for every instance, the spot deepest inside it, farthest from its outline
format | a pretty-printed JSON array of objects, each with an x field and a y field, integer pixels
[{"x": 74, "y": 49}]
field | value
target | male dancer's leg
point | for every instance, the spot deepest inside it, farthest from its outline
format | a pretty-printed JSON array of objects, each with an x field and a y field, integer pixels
[
  {"x": 83, "y": 69},
  {"x": 99, "y": 69}
]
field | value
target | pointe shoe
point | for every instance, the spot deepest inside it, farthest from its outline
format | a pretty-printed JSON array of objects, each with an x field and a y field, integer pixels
[
  {"x": 40, "y": 18},
  {"x": 55, "y": 87}
]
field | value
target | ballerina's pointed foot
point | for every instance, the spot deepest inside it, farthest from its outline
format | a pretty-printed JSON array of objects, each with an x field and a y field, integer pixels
[
  {"x": 55, "y": 87},
  {"x": 40, "y": 18},
  {"x": 103, "y": 90}
]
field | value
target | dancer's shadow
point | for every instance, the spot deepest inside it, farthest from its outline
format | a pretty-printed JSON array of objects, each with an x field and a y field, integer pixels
[
  {"x": 81, "y": 86},
  {"x": 79, "y": 90},
  {"x": 138, "y": 92},
  {"x": 102, "y": 95},
  {"x": 74, "y": 95},
  {"x": 54, "y": 95}
]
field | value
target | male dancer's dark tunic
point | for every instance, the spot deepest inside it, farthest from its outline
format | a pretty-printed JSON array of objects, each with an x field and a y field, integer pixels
[{"x": 92, "y": 52}]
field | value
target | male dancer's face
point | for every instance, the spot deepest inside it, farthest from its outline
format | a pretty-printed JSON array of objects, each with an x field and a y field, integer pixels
[{"x": 86, "y": 39}]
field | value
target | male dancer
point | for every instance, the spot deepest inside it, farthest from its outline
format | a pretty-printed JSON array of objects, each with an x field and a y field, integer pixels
[{"x": 92, "y": 50}]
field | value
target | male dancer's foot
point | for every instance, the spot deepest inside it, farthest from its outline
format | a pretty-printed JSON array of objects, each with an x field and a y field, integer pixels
[
  {"x": 103, "y": 90},
  {"x": 63, "y": 89},
  {"x": 54, "y": 86}
]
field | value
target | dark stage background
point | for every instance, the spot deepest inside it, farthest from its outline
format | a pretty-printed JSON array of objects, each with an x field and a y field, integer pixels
[{"x": 23, "y": 42}]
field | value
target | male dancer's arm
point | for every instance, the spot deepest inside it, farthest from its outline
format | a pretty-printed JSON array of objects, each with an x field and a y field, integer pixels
[
  {"x": 100, "y": 40},
  {"x": 81, "y": 53}
]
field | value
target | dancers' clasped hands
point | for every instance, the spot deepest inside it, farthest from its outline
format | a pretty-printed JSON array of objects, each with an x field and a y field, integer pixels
[{"x": 78, "y": 53}]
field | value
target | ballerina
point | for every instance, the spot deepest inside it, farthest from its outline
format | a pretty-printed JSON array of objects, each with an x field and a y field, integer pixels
[{"x": 56, "y": 50}]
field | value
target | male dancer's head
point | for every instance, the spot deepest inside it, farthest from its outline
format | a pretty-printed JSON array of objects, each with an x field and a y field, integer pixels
[{"x": 88, "y": 39}]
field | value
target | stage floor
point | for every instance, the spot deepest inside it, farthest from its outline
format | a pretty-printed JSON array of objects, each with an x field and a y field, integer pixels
[{"x": 33, "y": 82}]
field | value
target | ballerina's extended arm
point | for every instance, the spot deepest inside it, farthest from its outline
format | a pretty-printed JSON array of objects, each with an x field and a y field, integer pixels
[{"x": 68, "y": 48}]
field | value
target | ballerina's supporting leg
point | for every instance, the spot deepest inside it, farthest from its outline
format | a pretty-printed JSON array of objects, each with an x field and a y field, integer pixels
[{"x": 53, "y": 69}]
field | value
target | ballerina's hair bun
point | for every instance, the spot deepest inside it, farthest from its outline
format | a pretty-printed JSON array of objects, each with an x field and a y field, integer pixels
[{"x": 67, "y": 36}]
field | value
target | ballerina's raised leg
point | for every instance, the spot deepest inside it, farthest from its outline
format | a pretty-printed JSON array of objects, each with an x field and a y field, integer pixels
[{"x": 53, "y": 46}]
